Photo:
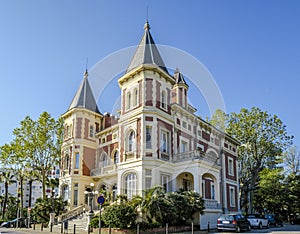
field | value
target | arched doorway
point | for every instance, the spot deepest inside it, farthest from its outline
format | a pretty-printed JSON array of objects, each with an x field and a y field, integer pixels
[{"x": 185, "y": 181}]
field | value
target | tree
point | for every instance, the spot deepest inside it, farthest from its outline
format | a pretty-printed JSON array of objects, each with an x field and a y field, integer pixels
[
  {"x": 41, "y": 140},
  {"x": 270, "y": 195},
  {"x": 219, "y": 120},
  {"x": 263, "y": 138},
  {"x": 156, "y": 207},
  {"x": 292, "y": 161},
  {"x": 7, "y": 178}
]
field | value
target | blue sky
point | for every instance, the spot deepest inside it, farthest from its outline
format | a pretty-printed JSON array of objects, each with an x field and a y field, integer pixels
[{"x": 251, "y": 48}]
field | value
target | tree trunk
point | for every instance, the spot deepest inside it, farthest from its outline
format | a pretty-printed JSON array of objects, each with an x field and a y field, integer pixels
[
  {"x": 44, "y": 184},
  {"x": 5, "y": 199},
  {"x": 30, "y": 193},
  {"x": 21, "y": 196}
]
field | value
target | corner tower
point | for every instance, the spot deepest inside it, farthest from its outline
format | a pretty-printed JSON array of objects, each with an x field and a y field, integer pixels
[{"x": 81, "y": 122}]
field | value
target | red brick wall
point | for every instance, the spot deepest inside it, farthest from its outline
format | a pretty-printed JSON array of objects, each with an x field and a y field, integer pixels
[
  {"x": 89, "y": 155},
  {"x": 78, "y": 128},
  {"x": 149, "y": 90}
]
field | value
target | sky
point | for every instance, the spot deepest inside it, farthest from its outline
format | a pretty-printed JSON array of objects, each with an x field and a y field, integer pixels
[{"x": 250, "y": 48}]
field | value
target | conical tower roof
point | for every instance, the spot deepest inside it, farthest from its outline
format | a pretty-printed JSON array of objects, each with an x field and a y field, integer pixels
[
  {"x": 179, "y": 79},
  {"x": 147, "y": 52},
  {"x": 84, "y": 97}
]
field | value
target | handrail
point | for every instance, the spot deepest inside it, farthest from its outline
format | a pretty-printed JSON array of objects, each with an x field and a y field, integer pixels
[{"x": 71, "y": 213}]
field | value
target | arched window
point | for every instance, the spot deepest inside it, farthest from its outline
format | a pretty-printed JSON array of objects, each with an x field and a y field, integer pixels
[
  {"x": 135, "y": 98},
  {"x": 130, "y": 185},
  {"x": 128, "y": 103},
  {"x": 116, "y": 157},
  {"x": 131, "y": 141},
  {"x": 163, "y": 100}
]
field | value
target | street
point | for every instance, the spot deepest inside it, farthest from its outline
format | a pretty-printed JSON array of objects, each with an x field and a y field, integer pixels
[{"x": 286, "y": 229}]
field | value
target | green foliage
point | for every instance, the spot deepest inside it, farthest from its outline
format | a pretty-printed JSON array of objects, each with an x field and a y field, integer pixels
[
  {"x": 219, "y": 120},
  {"x": 270, "y": 195},
  {"x": 43, "y": 207},
  {"x": 120, "y": 215},
  {"x": 7, "y": 178},
  {"x": 263, "y": 138}
]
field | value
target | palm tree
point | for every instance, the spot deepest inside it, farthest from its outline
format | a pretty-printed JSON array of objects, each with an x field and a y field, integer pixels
[
  {"x": 156, "y": 206},
  {"x": 7, "y": 178}
]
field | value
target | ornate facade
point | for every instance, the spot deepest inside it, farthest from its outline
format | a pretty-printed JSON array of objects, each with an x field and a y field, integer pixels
[{"x": 156, "y": 140}]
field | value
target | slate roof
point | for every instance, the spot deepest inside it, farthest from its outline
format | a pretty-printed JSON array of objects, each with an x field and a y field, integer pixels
[
  {"x": 146, "y": 52},
  {"x": 84, "y": 97},
  {"x": 179, "y": 79}
]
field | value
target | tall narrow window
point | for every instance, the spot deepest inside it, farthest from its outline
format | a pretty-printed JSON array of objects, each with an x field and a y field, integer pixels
[
  {"x": 148, "y": 137},
  {"x": 164, "y": 142},
  {"x": 114, "y": 192},
  {"x": 163, "y": 100},
  {"x": 77, "y": 157},
  {"x": 116, "y": 157},
  {"x": 230, "y": 166},
  {"x": 128, "y": 103},
  {"x": 131, "y": 141},
  {"x": 130, "y": 185},
  {"x": 75, "y": 198},
  {"x": 186, "y": 185},
  {"x": 135, "y": 98},
  {"x": 104, "y": 161},
  {"x": 232, "y": 196},
  {"x": 148, "y": 178},
  {"x": 91, "y": 131},
  {"x": 212, "y": 191},
  {"x": 165, "y": 183}
]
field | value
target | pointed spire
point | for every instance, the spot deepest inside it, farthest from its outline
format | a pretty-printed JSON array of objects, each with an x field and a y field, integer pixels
[
  {"x": 146, "y": 52},
  {"x": 179, "y": 79},
  {"x": 84, "y": 97}
]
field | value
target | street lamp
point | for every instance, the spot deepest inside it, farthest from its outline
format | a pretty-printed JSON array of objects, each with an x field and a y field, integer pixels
[{"x": 90, "y": 192}]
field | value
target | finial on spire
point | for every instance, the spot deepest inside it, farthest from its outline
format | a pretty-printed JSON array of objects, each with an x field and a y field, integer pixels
[
  {"x": 147, "y": 26},
  {"x": 86, "y": 74}
]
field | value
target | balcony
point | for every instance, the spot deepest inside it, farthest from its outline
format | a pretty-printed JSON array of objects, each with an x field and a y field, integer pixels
[
  {"x": 195, "y": 155},
  {"x": 212, "y": 204},
  {"x": 109, "y": 169}
]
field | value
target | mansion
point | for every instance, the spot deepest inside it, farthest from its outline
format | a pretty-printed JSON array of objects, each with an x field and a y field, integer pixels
[{"x": 156, "y": 140}]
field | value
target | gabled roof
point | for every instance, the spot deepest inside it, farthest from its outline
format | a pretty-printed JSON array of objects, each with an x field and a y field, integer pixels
[
  {"x": 84, "y": 97},
  {"x": 179, "y": 79},
  {"x": 147, "y": 52}
]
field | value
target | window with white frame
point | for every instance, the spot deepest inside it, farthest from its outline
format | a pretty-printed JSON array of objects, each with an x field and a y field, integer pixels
[
  {"x": 148, "y": 178},
  {"x": 130, "y": 185},
  {"x": 163, "y": 99},
  {"x": 131, "y": 141},
  {"x": 165, "y": 182},
  {"x": 135, "y": 97},
  {"x": 230, "y": 166},
  {"x": 77, "y": 157},
  {"x": 75, "y": 198},
  {"x": 232, "y": 196},
  {"x": 148, "y": 137},
  {"x": 91, "y": 131},
  {"x": 128, "y": 101},
  {"x": 212, "y": 189},
  {"x": 116, "y": 157},
  {"x": 164, "y": 142},
  {"x": 104, "y": 160},
  {"x": 183, "y": 146}
]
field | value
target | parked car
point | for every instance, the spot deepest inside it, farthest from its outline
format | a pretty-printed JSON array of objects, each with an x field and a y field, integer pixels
[
  {"x": 295, "y": 220},
  {"x": 274, "y": 220},
  {"x": 258, "y": 221},
  {"x": 19, "y": 222},
  {"x": 233, "y": 222}
]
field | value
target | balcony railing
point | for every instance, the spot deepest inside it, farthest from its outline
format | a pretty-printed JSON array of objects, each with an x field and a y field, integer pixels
[
  {"x": 195, "y": 155},
  {"x": 104, "y": 170},
  {"x": 212, "y": 204}
]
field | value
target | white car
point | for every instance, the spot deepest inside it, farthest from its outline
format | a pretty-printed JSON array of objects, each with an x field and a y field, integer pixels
[{"x": 258, "y": 221}]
